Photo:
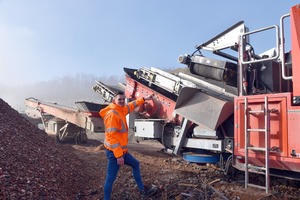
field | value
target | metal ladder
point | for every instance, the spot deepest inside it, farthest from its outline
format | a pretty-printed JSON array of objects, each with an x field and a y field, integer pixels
[{"x": 265, "y": 149}]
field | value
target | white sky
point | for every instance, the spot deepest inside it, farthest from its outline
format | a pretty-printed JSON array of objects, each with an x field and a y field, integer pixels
[{"x": 44, "y": 39}]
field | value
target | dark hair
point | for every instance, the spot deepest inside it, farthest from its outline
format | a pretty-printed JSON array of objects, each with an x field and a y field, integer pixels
[{"x": 119, "y": 93}]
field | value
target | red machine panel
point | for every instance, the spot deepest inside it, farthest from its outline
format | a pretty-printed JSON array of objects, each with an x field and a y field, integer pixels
[
  {"x": 161, "y": 107},
  {"x": 284, "y": 130},
  {"x": 293, "y": 120},
  {"x": 295, "y": 32}
]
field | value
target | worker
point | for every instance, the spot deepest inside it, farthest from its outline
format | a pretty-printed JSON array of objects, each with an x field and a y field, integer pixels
[{"x": 116, "y": 141}]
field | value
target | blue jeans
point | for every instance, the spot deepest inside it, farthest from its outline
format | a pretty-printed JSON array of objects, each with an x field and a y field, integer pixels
[{"x": 113, "y": 168}]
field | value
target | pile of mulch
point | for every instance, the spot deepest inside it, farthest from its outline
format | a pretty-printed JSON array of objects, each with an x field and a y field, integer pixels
[{"x": 33, "y": 165}]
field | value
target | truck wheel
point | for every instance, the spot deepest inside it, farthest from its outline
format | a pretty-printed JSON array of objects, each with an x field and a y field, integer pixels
[
  {"x": 81, "y": 138},
  {"x": 59, "y": 137}
]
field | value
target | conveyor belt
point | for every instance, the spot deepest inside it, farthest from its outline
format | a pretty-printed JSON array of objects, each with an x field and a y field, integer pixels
[{"x": 183, "y": 78}]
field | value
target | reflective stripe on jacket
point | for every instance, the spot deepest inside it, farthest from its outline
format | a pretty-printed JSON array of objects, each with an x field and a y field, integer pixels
[{"x": 116, "y": 129}]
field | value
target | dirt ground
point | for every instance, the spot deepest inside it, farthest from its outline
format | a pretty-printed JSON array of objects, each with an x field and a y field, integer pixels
[{"x": 175, "y": 178}]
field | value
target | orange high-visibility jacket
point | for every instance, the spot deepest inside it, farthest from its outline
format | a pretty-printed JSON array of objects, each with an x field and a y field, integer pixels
[{"x": 116, "y": 129}]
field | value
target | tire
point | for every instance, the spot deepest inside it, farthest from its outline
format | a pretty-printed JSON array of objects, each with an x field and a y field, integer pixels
[
  {"x": 81, "y": 138},
  {"x": 59, "y": 137}
]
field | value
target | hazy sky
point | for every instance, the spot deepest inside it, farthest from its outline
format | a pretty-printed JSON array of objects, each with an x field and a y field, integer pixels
[{"x": 44, "y": 39}]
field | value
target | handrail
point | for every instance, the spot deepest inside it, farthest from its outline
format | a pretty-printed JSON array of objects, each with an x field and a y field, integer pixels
[
  {"x": 282, "y": 50},
  {"x": 260, "y": 30}
]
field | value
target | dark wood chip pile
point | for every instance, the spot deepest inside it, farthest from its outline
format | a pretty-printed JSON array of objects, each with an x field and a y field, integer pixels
[{"x": 33, "y": 165}]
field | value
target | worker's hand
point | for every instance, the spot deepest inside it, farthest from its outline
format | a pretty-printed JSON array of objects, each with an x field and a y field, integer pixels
[
  {"x": 149, "y": 97},
  {"x": 120, "y": 161}
]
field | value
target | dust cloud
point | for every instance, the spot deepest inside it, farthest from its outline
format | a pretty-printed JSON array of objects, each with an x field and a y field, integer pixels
[{"x": 64, "y": 90}]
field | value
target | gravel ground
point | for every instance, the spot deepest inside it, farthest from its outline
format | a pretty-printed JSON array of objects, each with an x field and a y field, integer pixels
[{"x": 34, "y": 166}]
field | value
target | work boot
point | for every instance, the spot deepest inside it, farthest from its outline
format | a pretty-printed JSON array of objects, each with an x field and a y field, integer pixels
[{"x": 148, "y": 191}]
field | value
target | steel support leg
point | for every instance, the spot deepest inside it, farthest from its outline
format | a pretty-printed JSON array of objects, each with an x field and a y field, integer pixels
[{"x": 181, "y": 137}]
